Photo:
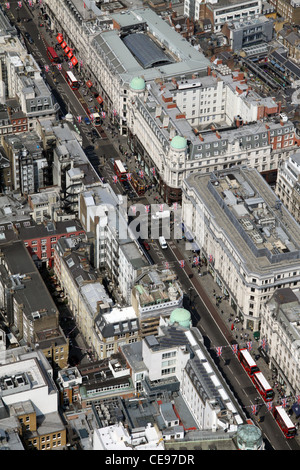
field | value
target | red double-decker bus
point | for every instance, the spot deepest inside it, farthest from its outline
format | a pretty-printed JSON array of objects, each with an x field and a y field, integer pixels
[
  {"x": 120, "y": 170},
  {"x": 284, "y": 422},
  {"x": 53, "y": 56},
  {"x": 263, "y": 386},
  {"x": 247, "y": 362},
  {"x": 72, "y": 80}
]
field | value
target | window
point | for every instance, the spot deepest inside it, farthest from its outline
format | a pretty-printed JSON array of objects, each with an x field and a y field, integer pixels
[
  {"x": 170, "y": 370},
  {"x": 167, "y": 355}
]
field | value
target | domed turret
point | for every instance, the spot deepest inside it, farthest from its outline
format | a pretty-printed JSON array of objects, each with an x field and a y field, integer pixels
[
  {"x": 249, "y": 437},
  {"x": 137, "y": 84},
  {"x": 178, "y": 143},
  {"x": 181, "y": 316}
]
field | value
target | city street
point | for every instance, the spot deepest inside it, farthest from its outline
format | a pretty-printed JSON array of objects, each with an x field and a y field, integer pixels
[{"x": 214, "y": 321}]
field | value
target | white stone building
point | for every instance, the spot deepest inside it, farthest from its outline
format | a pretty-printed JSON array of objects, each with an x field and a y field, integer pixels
[
  {"x": 178, "y": 356},
  {"x": 109, "y": 60},
  {"x": 35, "y": 380},
  {"x": 280, "y": 328},
  {"x": 204, "y": 124},
  {"x": 115, "y": 247},
  {"x": 220, "y": 11},
  {"x": 250, "y": 241},
  {"x": 288, "y": 184},
  {"x": 118, "y": 438}
]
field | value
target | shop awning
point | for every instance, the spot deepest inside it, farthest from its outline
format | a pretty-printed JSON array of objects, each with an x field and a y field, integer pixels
[
  {"x": 296, "y": 409},
  {"x": 63, "y": 44},
  {"x": 74, "y": 60},
  {"x": 89, "y": 83},
  {"x": 70, "y": 54},
  {"x": 99, "y": 99},
  {"x": 188, "y": 236},
  {"x": 195, "y": 247},
  {"x": 67, "y": 50},
  {"x": 59, "y": 38}
]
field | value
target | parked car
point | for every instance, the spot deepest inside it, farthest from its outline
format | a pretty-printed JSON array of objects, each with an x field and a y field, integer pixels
[
  {"x": 95, "y": 133},
  {"x": 146, "y": 246},
  {"x": 87, "y": 121}
]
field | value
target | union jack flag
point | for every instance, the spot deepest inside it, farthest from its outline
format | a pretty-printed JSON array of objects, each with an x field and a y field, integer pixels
[
  {"x": 103, "y": 114},
  {"x": 210, "y": 258},
  {"x": 161, "y": 207},
  {"x": 249, "y": 345},
  {"x": 235, "y": 348},
  {"x": 59, "y": 66},
  {"x": 175, "y": 206},
  {"x": 20, "y": 4},
  {"x": 91, "y": 117},
  {"x": 219, "y": 350},
  {"x": 114, "y": 112},
  {"x": 264, "y": 343},
  {"x": 147, "y": 208},
  {"x": 153, "y": 171},
  {"x": 30, "y": 3},
  {"x": 167, "y": 265},
  {"x": 269, "y": 405},
  {"x": 254, "y": 409},
  {"x": 7, "y": 4},
  {"x": 79, "y": 118},
  {"x": 298, "y": 399},
  {"x": 70, "y": 65},
  {"x": 46, "y": 68},
  {"x": 284, "y": 402},
  {"x": 128, "y": 176},
  {"x": 115, "y": 179},
  {"x": 141, "y": 174},
  {"x": 196, "y": 260},
  {"x": 181, "y": 262}
]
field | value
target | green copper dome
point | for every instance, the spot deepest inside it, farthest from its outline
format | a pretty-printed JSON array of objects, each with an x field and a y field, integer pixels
[
  {"x": 181, "y": 316},
  {"x": 249, "y": 437},
  {"x": 137, "y": 84},
  {"x": 178, "y": 142}
]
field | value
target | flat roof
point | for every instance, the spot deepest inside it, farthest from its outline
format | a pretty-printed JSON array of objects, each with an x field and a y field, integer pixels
[{"x": 277, "y": 246}]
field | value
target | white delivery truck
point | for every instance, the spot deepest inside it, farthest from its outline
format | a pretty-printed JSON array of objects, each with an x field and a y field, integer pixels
[{"x": 163, "y": 243}]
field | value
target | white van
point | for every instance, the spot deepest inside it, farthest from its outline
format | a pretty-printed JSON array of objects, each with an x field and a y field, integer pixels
[
  {"x": 161, "y": 215},
  {"x": 162, "y": 242}
]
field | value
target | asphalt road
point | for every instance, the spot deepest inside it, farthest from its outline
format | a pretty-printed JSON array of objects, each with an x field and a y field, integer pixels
[{"x": 204, "y": 314}]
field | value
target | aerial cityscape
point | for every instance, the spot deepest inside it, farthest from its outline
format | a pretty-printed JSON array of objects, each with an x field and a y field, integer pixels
[{"x": 150, "y": 227}]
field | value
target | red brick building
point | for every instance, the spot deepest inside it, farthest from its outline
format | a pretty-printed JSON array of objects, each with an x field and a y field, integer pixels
[{"x": 41, "y": 239}]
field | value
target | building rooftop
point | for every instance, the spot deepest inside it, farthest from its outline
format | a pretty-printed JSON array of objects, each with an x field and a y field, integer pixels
[
  {"x": 22, "y": 276},
  {"x": 226, "y": 4},
  {"x": 256, "y": 224},
  {"x": 166, "y": 54},
  {"x": 118, "y": 321},
  {"x": 286, "y": 306}
]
